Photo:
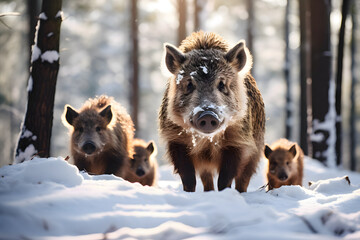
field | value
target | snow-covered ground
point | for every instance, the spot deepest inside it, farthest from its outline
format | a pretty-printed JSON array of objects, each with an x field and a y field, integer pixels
[{"x": 50, "y": 199}]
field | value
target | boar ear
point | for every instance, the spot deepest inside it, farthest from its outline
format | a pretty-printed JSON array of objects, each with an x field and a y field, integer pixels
[
  {"x": 292, "y": 150},
  {"x": 239, "y": 57},
  {"x": 107, "y": 114},
  {"x": 150, "y": 147},
  {"x": 173, "y": 58},
  {"x": 70, "y": 114},
  {"x": 267, "y": 151}
]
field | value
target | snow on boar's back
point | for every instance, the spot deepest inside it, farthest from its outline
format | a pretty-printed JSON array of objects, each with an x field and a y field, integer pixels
[
  {"x": 143, "y": 165},
  {"x": 285, "y": 163},
  {"x": 212, "y": 114},
  {"x": 101, "y": 136}
]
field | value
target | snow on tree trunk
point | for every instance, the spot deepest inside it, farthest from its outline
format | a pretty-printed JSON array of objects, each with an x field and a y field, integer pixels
[
  {"x": 35, "y": 133},
  {"x": 33, "y": 10},
  {"x": 345, "y": 10},
  {"x": 323, "y": 136}
]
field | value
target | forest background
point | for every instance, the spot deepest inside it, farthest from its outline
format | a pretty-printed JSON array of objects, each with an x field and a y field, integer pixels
[{"x": 95, "y": 53}]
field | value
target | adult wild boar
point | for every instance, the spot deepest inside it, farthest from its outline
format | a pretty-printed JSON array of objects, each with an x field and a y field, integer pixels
[{"x": 212, "y": 113}]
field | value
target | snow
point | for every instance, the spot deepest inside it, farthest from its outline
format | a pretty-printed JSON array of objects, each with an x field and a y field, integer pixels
[
  {"x": 49, "y": 199},
  {"x": 36, "y": 52},
  {"x": 50, "y": 56},
  {"x": 328, "y": 125},
  {"x": 43, "y": 16},
  {"x": 30, "y": 84},
  {"x": 60, "y": 14},
  {"x": 205, "y": 70},
  {"x": 25, "y": 155},
  {"x": 179, "y": 77},
  {"x": 28, "y": 134}
]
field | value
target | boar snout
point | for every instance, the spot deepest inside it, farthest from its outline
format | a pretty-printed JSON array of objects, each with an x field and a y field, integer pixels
[
  {"x": 206, "y": 121},
  {"x": 140, "y": 171},
  {"x": 89, "y": 147},
  {"x": 283, "y": 176}
]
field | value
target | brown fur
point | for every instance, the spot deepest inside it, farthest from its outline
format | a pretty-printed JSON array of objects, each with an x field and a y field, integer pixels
[
  {"x": 144, "y": 161},
  {"x": 285, "y": 159},
  {"x": 109, "y": 129},
  {"x": 234, "y": 149}
]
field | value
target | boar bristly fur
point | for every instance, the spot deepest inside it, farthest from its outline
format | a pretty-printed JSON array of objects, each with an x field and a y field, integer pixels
[
  {"x": 212, "y": 114},
  {"x": 101, "y": 136},
  {"x": 285, "y": 163},
  {"x": 143, "y": 165}
]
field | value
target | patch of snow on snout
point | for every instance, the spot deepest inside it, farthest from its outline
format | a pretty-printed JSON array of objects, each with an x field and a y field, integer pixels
[{"x": 222, "y": 116}]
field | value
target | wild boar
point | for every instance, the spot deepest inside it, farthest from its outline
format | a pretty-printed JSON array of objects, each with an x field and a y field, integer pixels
[
  {"x": 212, "y": 114},
  {"x": 101, "y": 136}
]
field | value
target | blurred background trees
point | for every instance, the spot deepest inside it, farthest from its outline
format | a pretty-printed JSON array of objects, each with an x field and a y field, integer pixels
[{"x": 103, "y": 41}]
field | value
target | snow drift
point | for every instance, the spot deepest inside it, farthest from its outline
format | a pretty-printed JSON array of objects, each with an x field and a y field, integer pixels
[{"x": 50, "y": 199}]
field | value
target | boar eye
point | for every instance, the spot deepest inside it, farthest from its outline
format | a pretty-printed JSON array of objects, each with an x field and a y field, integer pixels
[
  {"x": 287, "y": 163},
  {"x": 97, "y": 129},
  {"x": 221, "y": 86},
  {"x": 190, "y": 87}
]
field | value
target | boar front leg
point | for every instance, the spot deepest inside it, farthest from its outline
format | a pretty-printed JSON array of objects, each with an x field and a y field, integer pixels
[
  {"x": 183, "y": 165},
  {"x": 207, "y": 180},
  {"x": 242, "y": 180},
  {"x": 228, "y": 168}
]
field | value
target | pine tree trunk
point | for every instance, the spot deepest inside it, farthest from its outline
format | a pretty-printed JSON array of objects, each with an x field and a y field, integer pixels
[
  {"x": 182, "y": 10},
  {"x": 250, "y": 25},
  {"x": 33, "y": 11},
  {"x": 323, "y": 118},
  {"x": 36, "y": 129},
  {"x": 197, "y": 12},
  {"x": 134, "y": 76},
  {"x": 345, "y": 10},
  {"x": 353, "y": 129},
  {"x": 288, "y": 104},
  {"x": 305, "y": 77}
]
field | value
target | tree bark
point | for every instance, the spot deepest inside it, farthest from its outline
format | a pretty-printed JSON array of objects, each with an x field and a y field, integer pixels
[
  {"x": 197, "y": 12},
  {"x": 182, "y": 10},
  {"x": 250, "y": 25},
  {"x": 36, "y": 129},
  {"x": 33, "y": 11},
  {"x": 288, "y": 104},
  {"x": 322, "y": 136},
  {"x": 344, "y": 11},
  {"x": 353, "y": 131},
  {"x": 305, "y": 77},
  {"x": 134, "y": 76}
]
